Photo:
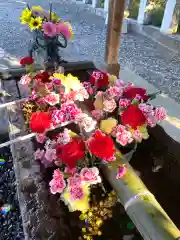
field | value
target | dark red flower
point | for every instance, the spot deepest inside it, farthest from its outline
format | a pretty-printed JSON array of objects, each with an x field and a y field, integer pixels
[
  {"x": 40, "y": 121},
  {"x": 99, "y": 79},
  {"x": 101, "y": 145},
  {"x": 131, "y": 93},
  {"x": 71, "y": 152},
  {"x": 133, "y": 117},
  {"x": 27, "y": 61},
  {"x": 43, "y": 77}
]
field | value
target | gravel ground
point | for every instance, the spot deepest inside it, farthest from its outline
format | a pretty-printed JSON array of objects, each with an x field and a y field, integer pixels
[
  {"x": 10, "y": 220},
  {"x": 153, "y": 62}
]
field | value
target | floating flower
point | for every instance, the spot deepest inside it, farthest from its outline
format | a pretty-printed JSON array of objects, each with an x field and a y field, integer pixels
[
  {"x": 49, "y": 29},
  {"x": 50, "y": 155},
  {"x": 99, "y": 79},
  {"x": 118, "y": 129},
  {"x": 81, "y": 94},
  {"x": 40, "y": 121},
  {"x": 101, "y": 145},
  {"x": 113, "y": 92},
  {"x": 90, "y": 175},
  {"x": 26, "y": 60},
  {"x": 39, "y": 154},
  {"x": 72, "y": 152},
  {"x": 35, "y": 23},
  {"x": 137, "y": 135},
  {"x": 57, "y": 184},
  {"x": 133, "y": 117},
  {"x": 88, "y": 124},
  {"x": 52, "y": 99},
  {"x": 109, "y": 105},
  {"x": 124, "y": 138},
  {"x": 80, "y": 194},
  {"x": 68, "y": 112},
  {"x": 75, "y": 180},
  {"x": 25, "y": 80},
  {"x": 124, "y": 103},
  {"x": 121, "y": 171},
  {"x": 41, "y": 138},
  {"x": 97, "y": 114},
  {"x": 131, "y": 93},
  {"x": 107, "y": 125},
  {"x": 160, "y": 113}
]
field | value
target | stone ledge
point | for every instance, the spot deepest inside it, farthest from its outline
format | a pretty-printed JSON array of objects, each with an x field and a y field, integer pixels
[{"x": 169, "y": 41}]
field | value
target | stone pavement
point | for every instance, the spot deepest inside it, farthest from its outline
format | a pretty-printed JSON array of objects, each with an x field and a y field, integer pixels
[{"x": 140, "y": 54}]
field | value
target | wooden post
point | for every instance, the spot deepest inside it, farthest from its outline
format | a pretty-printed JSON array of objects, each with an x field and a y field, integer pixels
[{"x": 115, "y": 20}]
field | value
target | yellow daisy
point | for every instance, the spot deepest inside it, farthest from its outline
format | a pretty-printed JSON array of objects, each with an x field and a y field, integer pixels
[
  {"x": 25, "y": 16},
  {"x": 35, "y": 23}
]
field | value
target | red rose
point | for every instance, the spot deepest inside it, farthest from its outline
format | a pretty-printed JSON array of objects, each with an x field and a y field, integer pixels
[
  {"x": 101, "y": 145},
  {"x": 40, "y": 121},
  {"x": 43, "y": 76},
  {"x": 99, "y": 79},
  {"x": 26, "y": 61},
  {"x": 132, "y": 92},
  {"x": 133, "y": 116},
  {"x": 71, "y": 152}
]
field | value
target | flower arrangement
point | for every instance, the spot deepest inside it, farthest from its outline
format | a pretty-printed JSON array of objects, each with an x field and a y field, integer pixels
[
  {"x": 97, "y": 118},
  {"x": 46, "y": 21}
]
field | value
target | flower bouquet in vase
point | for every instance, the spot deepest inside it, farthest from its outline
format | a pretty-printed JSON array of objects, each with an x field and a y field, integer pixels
[{"x": 49, "y": 34}]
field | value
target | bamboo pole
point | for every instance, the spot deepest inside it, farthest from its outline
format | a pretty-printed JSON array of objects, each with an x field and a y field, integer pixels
[
  {"x": 141, "y": 206},
  {"x": 115, "y": 21}
]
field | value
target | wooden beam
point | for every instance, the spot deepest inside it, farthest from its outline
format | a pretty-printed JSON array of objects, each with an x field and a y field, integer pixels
[{"x": 115, "y": 21}]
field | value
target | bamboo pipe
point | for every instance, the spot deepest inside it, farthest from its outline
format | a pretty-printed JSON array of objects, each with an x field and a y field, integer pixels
[{"x": 148, "y": 216}]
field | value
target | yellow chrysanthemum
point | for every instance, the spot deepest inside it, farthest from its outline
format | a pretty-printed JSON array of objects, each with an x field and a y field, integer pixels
[
  {"x": 77, "y": 205},
  {"x": 70, "y": 30},
  {"x": 35, "y": 23},
  {"x": 112, "y": 79},
  {"x": 25, "y": 16},
  {"x": 37, "y": 8},
  {"x": 98, "y": 103},
  {"x": 107, "y": 125}
]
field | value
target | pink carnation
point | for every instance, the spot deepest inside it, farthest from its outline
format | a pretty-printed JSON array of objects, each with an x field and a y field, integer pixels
[
  {"x": 25, "y": 80},
  {"x": 109, "y": 105},
  {"x": 151, "y": 121},
  {"x": 76, "y": 193},
  {"x": 160, "y": 113},
  {"x": 120, "y": 83},
  {"x": 41, "y": 138},
  {"x": 118, "y": 129},
  {"x": 137, "y": 135},
  {"x": 39, "y": 154},
  {"x": 113, "y": 92},
  {"x": 68, "y": 112},
  {"x": 146, "y": 108},
  {"x": 124, "y": 138},
  {"x": 49, "y": 29},
  {"x": 50, "y": 155},
  {"x": 97, "y": 114},
  {"x": 64, "y": 137},
  {"x": 57, "y": 184},
  {"x": 75, "y": 180},
  {"x": 90, "y": 175},
  {"x": 52, "y": 99},
  {"x": 88, "y": 124},
  {"x": 123, "y": 103},
  {"x": 82, "y": 94}
]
